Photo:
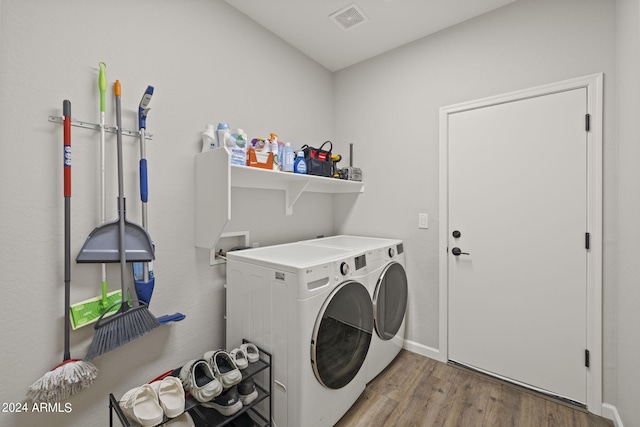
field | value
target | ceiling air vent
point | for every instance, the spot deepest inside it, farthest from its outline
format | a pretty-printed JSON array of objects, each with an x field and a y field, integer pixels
[{"x": 348, "y": 17}]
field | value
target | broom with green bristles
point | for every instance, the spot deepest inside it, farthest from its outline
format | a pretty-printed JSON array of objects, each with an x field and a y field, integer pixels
[{"x": 89, "y": 311}]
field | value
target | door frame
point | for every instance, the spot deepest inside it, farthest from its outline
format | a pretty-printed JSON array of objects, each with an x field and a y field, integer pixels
[{"x": 594, "y": 85}]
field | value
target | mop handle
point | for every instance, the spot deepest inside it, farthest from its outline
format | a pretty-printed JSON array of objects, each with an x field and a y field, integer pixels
[
  {"x": 66, "y": 112},
  {"x": 143, "y": 110},
  {"x": 117, "y": 90},
  {"x": 102, "y": 88}
]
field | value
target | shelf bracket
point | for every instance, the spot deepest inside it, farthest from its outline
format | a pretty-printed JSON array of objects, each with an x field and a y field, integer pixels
[
  {"x": 95, "y": 126},
  {"x": 292, "y": 193}
]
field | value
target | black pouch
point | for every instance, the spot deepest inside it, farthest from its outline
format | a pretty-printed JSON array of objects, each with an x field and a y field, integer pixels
[{"x": 318, "y": 160}]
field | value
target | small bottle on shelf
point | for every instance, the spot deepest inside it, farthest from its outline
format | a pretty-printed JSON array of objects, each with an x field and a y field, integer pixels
[{"x": 300, "y": 165}]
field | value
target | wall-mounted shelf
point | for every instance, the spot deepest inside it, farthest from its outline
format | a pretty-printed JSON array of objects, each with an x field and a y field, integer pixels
[{"x": 215, "y": 177}]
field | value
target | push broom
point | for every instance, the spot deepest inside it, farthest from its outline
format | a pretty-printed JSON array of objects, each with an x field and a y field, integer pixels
[
  {"x": 89, "y": 311},
  {"x": 72, "y": 375},
  {"x": 129, "y": 322}
]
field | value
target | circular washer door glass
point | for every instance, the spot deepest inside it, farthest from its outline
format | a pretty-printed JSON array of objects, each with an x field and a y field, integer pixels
[
  {"x": 390, "y": 301},
  {"x": 341, "y": 335}
]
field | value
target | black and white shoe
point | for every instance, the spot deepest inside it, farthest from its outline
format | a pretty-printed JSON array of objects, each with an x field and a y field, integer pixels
[
  {"x": 228, "y": 403},
  {"x": 247, "y": 391}
]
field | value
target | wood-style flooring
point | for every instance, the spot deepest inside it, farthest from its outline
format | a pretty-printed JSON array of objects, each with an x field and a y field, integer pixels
[{"x": 415, "y": 391}]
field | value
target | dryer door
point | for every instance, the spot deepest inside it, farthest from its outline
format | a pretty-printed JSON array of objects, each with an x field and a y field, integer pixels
[
  {"x": 341, "y": 335},
  {"x": 390, "y": 300}
]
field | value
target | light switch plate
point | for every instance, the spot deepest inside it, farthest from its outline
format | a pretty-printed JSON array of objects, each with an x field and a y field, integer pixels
[{"x": 423, "y": 220}]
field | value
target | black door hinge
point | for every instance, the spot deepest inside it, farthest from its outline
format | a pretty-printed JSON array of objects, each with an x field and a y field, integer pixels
[
  {"x": 586, "y": 358},
  {"x": 587, "y": 122},
  {"x": 587, "y": 240}
]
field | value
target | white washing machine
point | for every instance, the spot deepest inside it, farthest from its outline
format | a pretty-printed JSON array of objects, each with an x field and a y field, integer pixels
[
  {"x": 304, "y": 304},
  {"x": 387, "y": 284}
]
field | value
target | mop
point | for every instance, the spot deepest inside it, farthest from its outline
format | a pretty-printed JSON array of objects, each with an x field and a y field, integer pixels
[
  {"x": 89, "y": 311},
  {"x": 72, "y": 375}
]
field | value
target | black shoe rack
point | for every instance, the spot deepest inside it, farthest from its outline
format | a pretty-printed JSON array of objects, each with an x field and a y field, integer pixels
[{"x": 256, "y": 414}]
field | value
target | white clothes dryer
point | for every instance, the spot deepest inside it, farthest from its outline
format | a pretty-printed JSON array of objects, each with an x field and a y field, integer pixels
[
  {"x": 388, "y": 287},
  {"x": 304, "y": 305}
]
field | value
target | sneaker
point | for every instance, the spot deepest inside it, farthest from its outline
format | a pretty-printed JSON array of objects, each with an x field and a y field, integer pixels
[
  {"x": 183, "y": 420},
  {"x": 140, "y": 405},
  {"x": 170, "y": 395},
  {"x": 228, "y": 403},
  {"x": 240, "y": 357},
  {"x": 224, "y": 368},
  {"x": 247, "y": 391},
  {"x": 251, "y": 351},
  {"x": 198, "y": 378}
]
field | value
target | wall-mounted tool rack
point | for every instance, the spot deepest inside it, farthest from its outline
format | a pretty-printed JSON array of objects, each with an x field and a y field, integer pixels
[{"x": 96, "y": 126}]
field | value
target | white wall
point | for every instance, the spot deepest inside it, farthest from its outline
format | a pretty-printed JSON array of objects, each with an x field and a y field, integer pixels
[
  {"x": 628, "y": 226},
  {"x": 49, "y": 51},
  {"x": 208, "y": 63},
  {"x": 388, "y": 106}
]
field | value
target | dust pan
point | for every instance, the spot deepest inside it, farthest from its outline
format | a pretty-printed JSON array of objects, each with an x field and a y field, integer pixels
[{"x": 103, "y": 243}]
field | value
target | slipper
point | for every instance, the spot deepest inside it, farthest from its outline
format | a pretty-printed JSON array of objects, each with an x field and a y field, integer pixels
[
  {"x": 224, "y": 368},
  {"x": 140, "y": 404},
  {"x": 198, "y": 378},
  {"x": 240, "y": 357},
  {"x": 170, "y": 395},
  {"x": 251, "y": 351}
]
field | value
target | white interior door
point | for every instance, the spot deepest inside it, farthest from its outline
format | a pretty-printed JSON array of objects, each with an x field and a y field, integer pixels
[{"x": 517, "y": 176}]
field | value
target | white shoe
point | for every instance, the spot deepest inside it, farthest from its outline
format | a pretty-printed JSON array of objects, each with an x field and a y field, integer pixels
[
  {"x": 198, "y": 378},
  {"x": 251, "y": 351},
  {"x": 140, "y": 405},
  {"x": 224, "y": 368},
  {"x": 170, "y": 395},
  {"x": 183, "y": 420},
  {"x": 240, "y": 357}
]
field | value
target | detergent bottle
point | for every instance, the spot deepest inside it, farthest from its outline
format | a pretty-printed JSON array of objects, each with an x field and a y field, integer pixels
[
  {"x": 208, "y": 139},
  {"x": 236, "y": 143},
  {"x": 300, "y": 165},
  {"x": 220, "y": 131},
  {"x": 273, "y": 147},
  {"x": 288, "y": 158}
]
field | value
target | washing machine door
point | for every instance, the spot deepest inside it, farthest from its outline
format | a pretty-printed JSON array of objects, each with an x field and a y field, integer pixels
[
  {"x": 390, "y": 300},
  {"x": 342, "y": 334}
]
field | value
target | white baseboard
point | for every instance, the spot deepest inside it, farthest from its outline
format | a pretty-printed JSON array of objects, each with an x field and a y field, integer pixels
[
  {"x": 610, "y": 412},
  {"x": 424, "y": 350}
]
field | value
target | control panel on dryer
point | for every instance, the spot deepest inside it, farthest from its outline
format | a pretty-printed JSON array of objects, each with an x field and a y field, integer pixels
[{"x": 360, "y": 262}]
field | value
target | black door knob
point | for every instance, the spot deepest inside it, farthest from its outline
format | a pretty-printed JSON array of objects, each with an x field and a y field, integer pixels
[
  {"x": 456, "y": 234},
  {"x": 458, "y": 252}
]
